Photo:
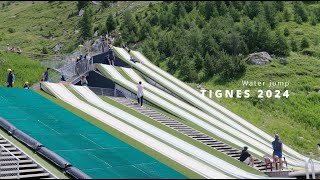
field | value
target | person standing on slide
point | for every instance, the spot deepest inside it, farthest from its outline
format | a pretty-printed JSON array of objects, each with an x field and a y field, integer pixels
[{"x": 140, "y": 93}]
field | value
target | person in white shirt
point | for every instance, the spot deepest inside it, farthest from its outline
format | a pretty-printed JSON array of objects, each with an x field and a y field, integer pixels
[
  {"x": 140, "y": 93},
  {"x": 84, "y": 81}
]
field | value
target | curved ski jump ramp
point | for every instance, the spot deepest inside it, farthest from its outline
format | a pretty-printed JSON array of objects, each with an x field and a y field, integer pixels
[
  {"x": 86, "y": 93},
  {"x": 291, "y": 154},
  {"x": 206, "y": 171}
]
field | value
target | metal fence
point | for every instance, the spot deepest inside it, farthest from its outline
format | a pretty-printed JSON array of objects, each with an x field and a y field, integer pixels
[
  {"x": 9, "y": 164},
  {"x": 73, "y": 70},
  {"x": 58, "y": 62},
  {"x": 106, "y": 91}
]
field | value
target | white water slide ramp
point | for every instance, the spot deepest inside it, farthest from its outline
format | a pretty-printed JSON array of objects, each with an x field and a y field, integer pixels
[
  {"x": 262, "y": 145},
  {"x": 61, "y": 92},
  {"x": 179, "y": 111},
  {"x": 292, "y": 157},
  {"x": 190, "y": 92},
  {"x": 222, "y": 165}
]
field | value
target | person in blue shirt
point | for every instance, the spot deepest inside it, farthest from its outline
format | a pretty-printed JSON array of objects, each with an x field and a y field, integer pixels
[
  {"x": 111, "y": 56},
  {"x": 62, "y": 77},
  {"x": 10, "y": 78},
  {"x": 277, "y": 150}
]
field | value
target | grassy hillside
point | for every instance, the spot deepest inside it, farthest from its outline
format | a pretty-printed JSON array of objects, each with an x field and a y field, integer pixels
[
  {"x": 32, "y": 25},
  {"x": 23, "y": 68},
  {"x": 295, "y": 119}
]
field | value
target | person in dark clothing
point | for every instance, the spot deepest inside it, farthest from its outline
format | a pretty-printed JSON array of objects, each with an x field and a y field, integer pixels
[
  {"x": 84, "y": 81},
  {"x": 132, "y": 59},
  {"x": 62, "y": 77},
  {"x": 111, "y": 57},
  {"x": 10, "y": 78},
  {"x": 246, "y": 157},
  {"x": 26, "y": 85},
  {"x": 106, "y": 59},
  {"x": 46, "y": 75},
  {"x": 277, "y": 150}
]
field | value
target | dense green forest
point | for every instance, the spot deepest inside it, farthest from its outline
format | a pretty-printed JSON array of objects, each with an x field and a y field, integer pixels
[{"x": 197, "y": 40}]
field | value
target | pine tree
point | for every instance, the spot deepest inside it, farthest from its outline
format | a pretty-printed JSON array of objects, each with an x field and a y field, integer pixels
[
  {"x": 269, "y": 13},
  {"x": 129, "y": 26},
  {"x": 298, "y": 19},
  {"x": 252, "y": 9},
  {"x": 304, "y": 43},
  {"x": 280, "y": 45},
  {"x": 279, "y": 5},
  {"x": 209, "y": 66},
  {"x": 82, "y": 4},
  {"x": 286, "y": 15},
  {"x": 286, "y": 32},
  {"x": 300, "y": 11},
  {"x": 105, "y": 4},
  {"x": 85, "y": 23},
  {"x": 294, "y": 46},
  {"x": 223, "y": 9},
  {"x": 313, "y": 20},
  {"x": 111, "y": 23}
]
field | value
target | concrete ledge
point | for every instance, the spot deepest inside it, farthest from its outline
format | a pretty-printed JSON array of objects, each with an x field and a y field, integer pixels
[{"x": 277, "y": 173}]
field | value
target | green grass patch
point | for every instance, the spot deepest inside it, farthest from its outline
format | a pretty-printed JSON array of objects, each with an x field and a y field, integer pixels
[
  {"x": 24, "y": 69},
  {"x": 295, "y": 119}
]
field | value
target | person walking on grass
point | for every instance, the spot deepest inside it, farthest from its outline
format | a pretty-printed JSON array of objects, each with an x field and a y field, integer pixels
[
  {"x": 140, "y": 93},
  {"x": 10, "y": 78},
  {"x": 246, "y": 157}
]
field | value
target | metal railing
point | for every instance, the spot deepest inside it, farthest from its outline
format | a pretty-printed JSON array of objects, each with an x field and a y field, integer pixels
[
  {"x": 106, "y": 91},
  {"x": 309, "y": 161},
  {"x": 72, "y": 70},
  {"x": 9, "y": 164}
]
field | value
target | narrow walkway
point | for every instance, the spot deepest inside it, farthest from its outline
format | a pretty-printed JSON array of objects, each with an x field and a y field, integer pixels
[
  {"x": 27, "y": 167},
  {"x": 186, "y": 130}
]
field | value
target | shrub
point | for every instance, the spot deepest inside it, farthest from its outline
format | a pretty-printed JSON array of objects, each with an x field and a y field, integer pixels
[
  {"x": 11, "y": 30},
  {"x": 304, "y": 43},
  {"x": 44, "y": 50},
  {"x": 286, "y": 32},
  {"x": 294, "y": 46}
]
